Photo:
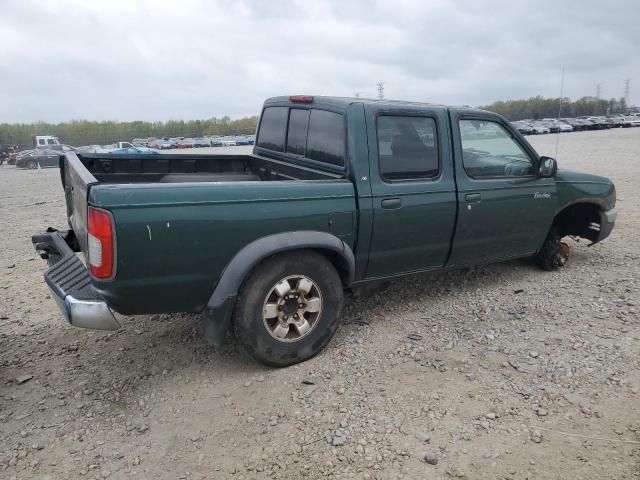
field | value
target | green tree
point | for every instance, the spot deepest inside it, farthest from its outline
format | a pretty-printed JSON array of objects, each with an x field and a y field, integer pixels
[{"x": 84, "y": 132}]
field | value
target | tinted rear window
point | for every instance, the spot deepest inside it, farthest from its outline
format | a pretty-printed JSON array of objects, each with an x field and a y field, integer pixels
[
  {"x": 272, "y": 128},
  {"x": 297, "y": 138},
  {"x": 407, "y": 147},
  {"x": 326, "y": 139}
]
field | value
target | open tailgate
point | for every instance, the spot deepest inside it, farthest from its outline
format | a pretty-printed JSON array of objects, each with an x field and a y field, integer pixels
[{"x": 76, "y": 181}]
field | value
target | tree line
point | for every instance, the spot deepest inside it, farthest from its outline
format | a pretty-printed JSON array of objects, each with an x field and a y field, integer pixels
[
  {"x": 83, "y": 132},
  {"x": 540, "y": 107}
]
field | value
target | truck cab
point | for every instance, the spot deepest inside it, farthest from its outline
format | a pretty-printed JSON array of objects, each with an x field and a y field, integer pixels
[{"x": 45, "y": 141}]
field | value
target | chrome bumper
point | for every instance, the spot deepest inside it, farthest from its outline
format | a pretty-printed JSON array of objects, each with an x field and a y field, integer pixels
[
  {"x": 93, "y": 314},
  {"x": 70, "y": 285}
]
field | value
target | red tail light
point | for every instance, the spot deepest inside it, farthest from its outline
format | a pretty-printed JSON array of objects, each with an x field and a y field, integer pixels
[
  {"x": 100, "y": 243},
  {"x": 301, "y": 98}
]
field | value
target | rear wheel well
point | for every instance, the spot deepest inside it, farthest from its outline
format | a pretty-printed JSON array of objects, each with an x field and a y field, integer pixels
[
  {"x": 580, "y": 220},
  {"x": 338, "y": 261}
]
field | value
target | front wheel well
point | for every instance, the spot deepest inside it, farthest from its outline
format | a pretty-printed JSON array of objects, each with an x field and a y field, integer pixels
[{"x": 580, "y": 220}]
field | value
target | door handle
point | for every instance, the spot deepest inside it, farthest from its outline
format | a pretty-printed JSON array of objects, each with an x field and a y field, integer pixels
[
  {"x": 472, "y": 197},
  {"x": 391, "y": 203}
]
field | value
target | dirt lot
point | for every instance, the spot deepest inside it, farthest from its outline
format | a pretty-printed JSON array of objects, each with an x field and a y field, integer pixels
[{"x": 479, "y": 369}]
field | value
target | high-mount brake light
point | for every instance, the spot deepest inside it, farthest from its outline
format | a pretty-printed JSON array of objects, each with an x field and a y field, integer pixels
[
  {"x": 100, "y": 243},
  {"x": 301, "y": 98}
]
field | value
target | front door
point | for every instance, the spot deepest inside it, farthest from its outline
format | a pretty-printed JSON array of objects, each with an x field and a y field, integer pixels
[
  {"x": 413, "y": 189},
  {"x": 505, "y": 209}
]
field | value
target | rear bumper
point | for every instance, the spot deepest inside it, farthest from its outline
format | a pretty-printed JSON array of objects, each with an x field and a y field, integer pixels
[{"x": 70, "y": 285}]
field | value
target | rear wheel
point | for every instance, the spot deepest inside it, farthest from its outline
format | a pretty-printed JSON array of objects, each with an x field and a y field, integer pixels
[
  {"x": 554, "y": 253},
  {"x": 289, "y": 307},
  {"x": 32, "y": 165}
]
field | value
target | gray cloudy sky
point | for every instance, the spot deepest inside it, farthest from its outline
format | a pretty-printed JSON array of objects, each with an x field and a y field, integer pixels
[{"x": 157, "y": 59}]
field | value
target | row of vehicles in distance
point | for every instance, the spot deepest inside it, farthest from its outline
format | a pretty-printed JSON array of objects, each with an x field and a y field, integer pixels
[
  {"x": 167, "y": 143},
  {"x": 562, "y": 125},
  {"x": 47, "y": 148}
]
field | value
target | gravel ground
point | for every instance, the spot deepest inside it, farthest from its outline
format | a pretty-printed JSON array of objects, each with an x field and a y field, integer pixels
[{"x": 502, "y": 371}]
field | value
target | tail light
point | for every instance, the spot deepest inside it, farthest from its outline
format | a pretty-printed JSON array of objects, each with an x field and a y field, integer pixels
[{"x": 100, "y": 243}]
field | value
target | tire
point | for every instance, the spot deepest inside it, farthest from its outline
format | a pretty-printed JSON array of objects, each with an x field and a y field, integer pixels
[
  {"x": 554, "y": 253},
  {"x": 32, "y": 165},
  {"x": 272, "y": 295}
]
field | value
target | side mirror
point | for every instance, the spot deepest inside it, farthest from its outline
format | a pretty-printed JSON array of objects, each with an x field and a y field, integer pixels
[{"x": 548, "y": 167}]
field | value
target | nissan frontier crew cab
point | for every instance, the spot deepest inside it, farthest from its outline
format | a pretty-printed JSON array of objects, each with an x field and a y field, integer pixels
[{"x": 337, "y": 192}]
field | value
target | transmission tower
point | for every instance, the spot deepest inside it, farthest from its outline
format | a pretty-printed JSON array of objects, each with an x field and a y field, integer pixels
[
  {"x": 598, "y": 90},
  {"x": 380, "y": 86},
  {"x": 627, "y": 90}
]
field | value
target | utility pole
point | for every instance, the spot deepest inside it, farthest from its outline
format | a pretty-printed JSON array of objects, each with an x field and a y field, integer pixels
[
  {"x": 598, "y": 90},
  {"x": 380, "y": 86}
]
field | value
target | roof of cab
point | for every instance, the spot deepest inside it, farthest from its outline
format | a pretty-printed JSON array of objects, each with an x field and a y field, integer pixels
[{"x": 345, "y": 101}]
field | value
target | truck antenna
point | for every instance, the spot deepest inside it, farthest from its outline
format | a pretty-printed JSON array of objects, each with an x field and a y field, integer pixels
[{"x": 559, "y": 112}]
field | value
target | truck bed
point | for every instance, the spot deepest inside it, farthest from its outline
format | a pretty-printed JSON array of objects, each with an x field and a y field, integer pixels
[
  {"x": 180, "y": 219},
  {"x": 189, "y": 168}
]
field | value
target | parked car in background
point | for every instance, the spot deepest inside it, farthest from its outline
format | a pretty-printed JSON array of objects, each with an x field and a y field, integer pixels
[
  {"x": 575, "y": 124},
  {"x": 555, "y": 126},
  {"x": 228, "y": 142},
  {"x": 185, "y": 143},
  {"x": 595, "y": 123},
  {"x": 133, "y": 151},
  {"x": 240, "y": 140},
  {"x": 87, "y": 148},
  {"x": 523, "y": 127},
  {"x": 163, "y": 144},
  {"x": 200, "y": 142},
  {"x": 39, "y": 158},
  {"x": 632, "y": 121},
  {"x": 539, "y": 128},
  {"x": 217, "y": 142},
  {"x": 44, "y": 141}
]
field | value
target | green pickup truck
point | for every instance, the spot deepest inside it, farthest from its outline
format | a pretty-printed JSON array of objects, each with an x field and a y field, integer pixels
[{"x": 337, "y": 192}]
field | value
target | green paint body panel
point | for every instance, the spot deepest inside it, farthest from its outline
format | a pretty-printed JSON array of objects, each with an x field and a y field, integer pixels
[{"x": 174, "y": 240}]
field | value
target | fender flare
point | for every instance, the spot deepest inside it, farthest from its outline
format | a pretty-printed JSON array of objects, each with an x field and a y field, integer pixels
[{"x": 220, "y": 306}]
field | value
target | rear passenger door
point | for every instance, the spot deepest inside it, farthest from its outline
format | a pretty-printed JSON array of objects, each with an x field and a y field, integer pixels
[{"x": 413, "y": 190}]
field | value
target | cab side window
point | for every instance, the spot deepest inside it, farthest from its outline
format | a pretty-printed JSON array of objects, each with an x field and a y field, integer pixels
[
  {"x": 407, "y": 147},
  {"x": 489, "y": 151}
]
